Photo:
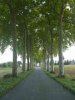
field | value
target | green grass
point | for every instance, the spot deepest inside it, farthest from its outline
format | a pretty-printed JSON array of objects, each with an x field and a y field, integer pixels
[
  {"x": 8, "y": 83},
  {"x": 66, "y": 81}
]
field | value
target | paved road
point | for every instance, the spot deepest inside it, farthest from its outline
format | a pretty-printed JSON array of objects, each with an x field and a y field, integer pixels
[{"x": 39, "y": 86}]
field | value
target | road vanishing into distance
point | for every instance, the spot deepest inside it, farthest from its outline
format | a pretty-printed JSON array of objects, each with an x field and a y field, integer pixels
[{"x": 38, "y": 86}]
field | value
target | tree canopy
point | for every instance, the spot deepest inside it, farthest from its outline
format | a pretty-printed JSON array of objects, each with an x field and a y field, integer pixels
[{"x": 37, "y": 30}]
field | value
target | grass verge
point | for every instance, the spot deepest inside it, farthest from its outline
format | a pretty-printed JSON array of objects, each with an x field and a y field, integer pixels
[
  {"x": 9, "y": 83},
  {"x": 64, "y": 81}
]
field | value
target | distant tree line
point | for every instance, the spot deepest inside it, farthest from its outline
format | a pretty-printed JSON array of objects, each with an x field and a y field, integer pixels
[
  {"x": 9, "y": 64},
  {"x": 66, "y": 62}
]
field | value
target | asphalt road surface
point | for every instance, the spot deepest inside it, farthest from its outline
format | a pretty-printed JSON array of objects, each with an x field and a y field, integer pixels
[{"x": 38, "y": 86}]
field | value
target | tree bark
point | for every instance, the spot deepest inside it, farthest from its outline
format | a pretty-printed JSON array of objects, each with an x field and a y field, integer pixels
[
  {"x": 24, "y": 51},
  {"x": 31, "y": 58},
  {"x": 28, "y": 52},
  {"x": 14, "y": 68},
  {"x": 44, "y": 59},
  {"x": 51, "y": 43},
  {"x": 60, "y": 43},
  {"x": 48, "y": 64},
  {"x": 13, "y": 33},
  {"x": 51, "y": 53}
]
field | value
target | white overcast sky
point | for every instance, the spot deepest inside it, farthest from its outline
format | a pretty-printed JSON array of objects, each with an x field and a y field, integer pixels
[
  {"x": 69, "y": 53},
  {"x": 7, "y": 55}
]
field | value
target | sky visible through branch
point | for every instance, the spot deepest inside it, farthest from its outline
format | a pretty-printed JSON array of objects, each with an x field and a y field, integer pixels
[
  {"x": 7, "y": 56},
  {"x": 69, "y": 54}
]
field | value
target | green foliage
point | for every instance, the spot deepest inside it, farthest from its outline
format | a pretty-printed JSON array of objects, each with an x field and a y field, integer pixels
[
  {"x": 36, "y": 15},
  {"x": 4, "y": 65},
  {"x": 9, "y": 64},
  {"x": 28, "y": 25},
  {"x": 38, "y": 55}
]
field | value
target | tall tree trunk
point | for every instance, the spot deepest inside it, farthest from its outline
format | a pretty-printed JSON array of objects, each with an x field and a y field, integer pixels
[
  {"x": 48, "y": 62},
  {"x": 60, "y": 44},
  {"x": 43, "y": 62},
  {"x": 51, "y": 43},
  {"x": 45, "y": 59},
  {"x": 13, "y": 31},
  {"x": 61, "y": 67},
  {"x": 31, "y": 61},
  {"x": 13, "y": 24},
  {"x": 31, "y": 58},
  {"x": 51, "y": 53},
  {"x": 14, "y": 68},
  {"x": 28, "y": 52},
  {"x": 24, "y": 51}
]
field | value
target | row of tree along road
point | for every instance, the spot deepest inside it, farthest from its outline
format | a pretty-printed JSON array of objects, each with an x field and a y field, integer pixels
[{"x": 37, "y": 30}]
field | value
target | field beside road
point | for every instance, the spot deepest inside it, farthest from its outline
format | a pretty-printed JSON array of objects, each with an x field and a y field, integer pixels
[
  {"x": 68, "y": 69},
  {"x": 8, "y": 70}
]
